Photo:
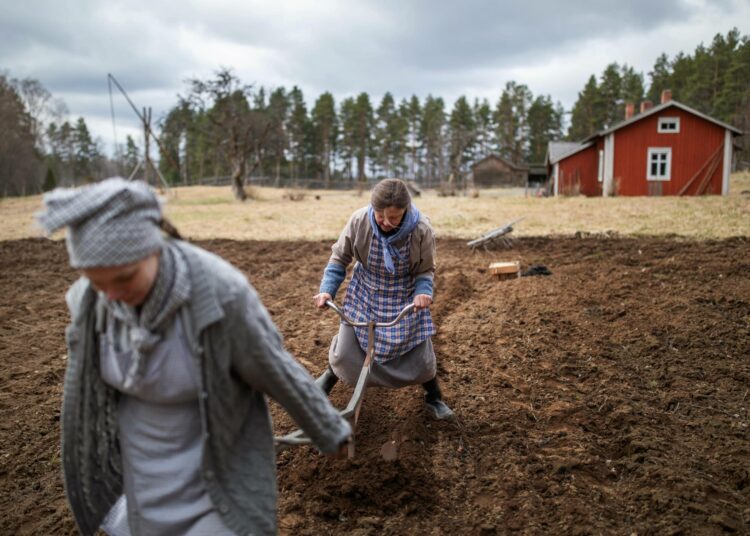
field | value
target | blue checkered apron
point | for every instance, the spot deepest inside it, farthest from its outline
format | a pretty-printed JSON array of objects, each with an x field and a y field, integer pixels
[{"x": 376, "y": 294}]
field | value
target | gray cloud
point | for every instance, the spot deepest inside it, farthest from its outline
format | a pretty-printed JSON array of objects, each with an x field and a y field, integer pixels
[
  {"x": 439, "y": 36},
  {"x": 419, "y": 47}
]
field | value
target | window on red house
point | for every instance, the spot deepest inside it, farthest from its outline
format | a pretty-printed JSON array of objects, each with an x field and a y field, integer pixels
[
  {"x": 659, "y": 164},
  {"x": 669, "y": 125}
]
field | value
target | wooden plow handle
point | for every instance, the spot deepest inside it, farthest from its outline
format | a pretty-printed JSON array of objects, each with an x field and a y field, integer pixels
[{"x": 351, "y": 412}]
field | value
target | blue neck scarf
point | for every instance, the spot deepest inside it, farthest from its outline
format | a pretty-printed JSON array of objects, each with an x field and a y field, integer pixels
[{"x": 408, "y": 223}]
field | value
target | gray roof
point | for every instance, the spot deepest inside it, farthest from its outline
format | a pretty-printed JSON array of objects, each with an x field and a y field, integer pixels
[
  {"x": 557, "y": 150},
  {"x": 519, "y": 167},
  {"x": 537, "y": 169},
  {"x": 657, "y": 109}
]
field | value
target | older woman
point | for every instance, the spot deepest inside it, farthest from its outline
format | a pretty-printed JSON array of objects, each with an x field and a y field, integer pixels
[
  {"x": 394, "y": 248},
  {"x": 165, "y": 429}
]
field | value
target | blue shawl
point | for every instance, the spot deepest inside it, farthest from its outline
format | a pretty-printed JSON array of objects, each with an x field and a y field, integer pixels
[{"x": 408, "y": 223}]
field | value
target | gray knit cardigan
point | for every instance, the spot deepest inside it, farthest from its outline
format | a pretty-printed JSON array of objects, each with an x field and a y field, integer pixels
[{"x": 241, "y": 356}]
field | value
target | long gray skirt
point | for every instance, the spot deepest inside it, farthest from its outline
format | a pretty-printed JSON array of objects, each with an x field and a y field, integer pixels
[{"x": 412, "y": 368}]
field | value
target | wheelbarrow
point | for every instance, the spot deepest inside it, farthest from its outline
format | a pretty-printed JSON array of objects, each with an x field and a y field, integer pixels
[{"x": 351, "y": 412}]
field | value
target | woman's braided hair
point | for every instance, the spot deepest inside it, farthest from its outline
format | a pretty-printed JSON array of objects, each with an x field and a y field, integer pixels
[{"x": 166, "y": 226}]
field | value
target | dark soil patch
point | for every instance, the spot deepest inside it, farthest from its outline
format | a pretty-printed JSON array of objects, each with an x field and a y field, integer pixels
[{"x": 608, "y": 398}]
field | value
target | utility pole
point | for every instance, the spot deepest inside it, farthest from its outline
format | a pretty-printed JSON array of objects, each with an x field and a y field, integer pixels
[{"x": 147, "y": 145}]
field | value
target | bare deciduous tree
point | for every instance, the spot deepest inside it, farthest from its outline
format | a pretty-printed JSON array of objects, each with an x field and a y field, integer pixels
[
  {"x": 19, "y": 161},
  {"x": 37, "y": 102},
  {"x": 237, "y": 129}
]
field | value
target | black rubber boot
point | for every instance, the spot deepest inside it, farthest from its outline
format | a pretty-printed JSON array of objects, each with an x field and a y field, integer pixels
[
  {"x": 433, "y": 399},
  {"x": 327, "y": 380}
]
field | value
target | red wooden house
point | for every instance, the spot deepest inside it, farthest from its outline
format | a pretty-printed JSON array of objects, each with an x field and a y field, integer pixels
[{"x": 669, "y": 149}]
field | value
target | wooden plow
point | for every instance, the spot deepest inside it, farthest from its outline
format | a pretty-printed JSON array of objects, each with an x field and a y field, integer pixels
[{"x": 351, "y": 412}]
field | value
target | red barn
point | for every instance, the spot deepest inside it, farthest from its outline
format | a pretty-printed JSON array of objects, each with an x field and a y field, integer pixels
[{"x": 669, "y": 149}]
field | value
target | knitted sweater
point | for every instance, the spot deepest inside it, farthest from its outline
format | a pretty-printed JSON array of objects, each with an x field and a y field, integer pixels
[{"x": 241, "y": 356}]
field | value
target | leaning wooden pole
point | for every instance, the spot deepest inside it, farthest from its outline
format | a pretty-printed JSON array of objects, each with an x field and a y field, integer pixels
[
  {"x": 146, "y": 145},
  {"x": 689, "y": 183},
  {"x": 709, "y": 175},
  {"x": 164, "y": 151}
]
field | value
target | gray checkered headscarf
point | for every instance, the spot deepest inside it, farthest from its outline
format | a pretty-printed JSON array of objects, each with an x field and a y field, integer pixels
[{"x": 110, "y": 223}]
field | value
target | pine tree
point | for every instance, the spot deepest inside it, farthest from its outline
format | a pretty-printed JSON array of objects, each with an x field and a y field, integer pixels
[
  {"x": 485, "y": 127},
  {"x": 278, "y": 139},
  {"x": 50, "y": 182},
  {"x": 325, "y": 128},
  {"x": 363, "y": 124},
  {"x": 505, "y": 125},
  {"x": 609, "y": 102},
  {"x": 86, "y": 152},
  {"x": 172, "y": 135},
  {"x": 462, "y": 137},
  {"x": 661, "y": 78},
  {"x": 733, "y": 101},
  {"x": 735, "y": 89},
  {"x": 545, "y": 125},
  {"x": 698, "y": 91},
  {"x": 62, "y": 152},
  {"x": 347, "y": 118},
  {"x": 298, "y": 129},
  {"x": 382, "y": 143},
  {"x": 432, "y": 136},
  {"x": 682, "y": 76},
  {"x": 131, "y": 158},
  {"x": 399, "y": 134},
  {"x": 511, "y": 121},
  {"x": 584, "y": 120},
  {"x": 632, "y": 90},
  {"x": 414, "y": 118}
]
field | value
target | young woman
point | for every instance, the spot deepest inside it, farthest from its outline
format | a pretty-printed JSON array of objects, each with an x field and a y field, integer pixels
[
  {"x": 165, "y": 428},
  {"x": 394, "y": 249}
]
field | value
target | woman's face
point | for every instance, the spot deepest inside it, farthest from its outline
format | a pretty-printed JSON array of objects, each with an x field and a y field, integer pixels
[
  {"x": 129, "y": 283},
  {"x": 389, "y": 218}
]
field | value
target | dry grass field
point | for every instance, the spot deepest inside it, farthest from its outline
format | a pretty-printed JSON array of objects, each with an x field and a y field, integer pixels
[{"x": 212, "y": 212}]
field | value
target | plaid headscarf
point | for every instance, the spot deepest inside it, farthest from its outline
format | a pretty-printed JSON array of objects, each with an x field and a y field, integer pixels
[{"x": 110, "y": 223}]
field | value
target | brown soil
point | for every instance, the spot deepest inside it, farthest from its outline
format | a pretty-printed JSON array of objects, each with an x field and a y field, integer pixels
[{"x": 608, "y": 398}]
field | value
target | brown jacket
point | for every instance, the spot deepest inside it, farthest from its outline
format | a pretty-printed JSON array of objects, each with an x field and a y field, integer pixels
[{"x": 356, "y": 238}]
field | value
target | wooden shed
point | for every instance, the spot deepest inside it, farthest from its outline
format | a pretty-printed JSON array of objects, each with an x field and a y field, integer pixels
[
  {"x": 494, "y": 171},
  {"x": 572, "y": 169}
]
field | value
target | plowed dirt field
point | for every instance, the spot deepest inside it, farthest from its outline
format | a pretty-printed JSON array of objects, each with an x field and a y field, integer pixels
[{"x": 610, "y": 397}]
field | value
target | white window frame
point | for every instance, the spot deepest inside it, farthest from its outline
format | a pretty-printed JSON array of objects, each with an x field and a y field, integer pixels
[
  {"x": 654, "y": 151},
  {"x": 600, "y": 176},
  {"x": 664, "y": 120}
]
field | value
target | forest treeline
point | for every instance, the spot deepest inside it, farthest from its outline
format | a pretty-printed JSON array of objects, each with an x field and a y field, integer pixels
[{"x": 224, "y": 127}]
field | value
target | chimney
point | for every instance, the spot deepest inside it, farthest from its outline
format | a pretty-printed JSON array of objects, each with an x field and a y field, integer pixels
[
  {"x": 629, "y": 110},
  {"x": 666, "y": 96},
  {"x": 646, "y": 105}
]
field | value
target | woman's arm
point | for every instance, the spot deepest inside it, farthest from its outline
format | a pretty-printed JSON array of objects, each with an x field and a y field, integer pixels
[
  {"x": 262, "y": 362},
  {"x": 425, "y": 270}
]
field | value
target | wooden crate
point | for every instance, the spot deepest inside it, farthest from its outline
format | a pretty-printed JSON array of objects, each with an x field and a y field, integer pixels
[{"x": 505, "y": 269}]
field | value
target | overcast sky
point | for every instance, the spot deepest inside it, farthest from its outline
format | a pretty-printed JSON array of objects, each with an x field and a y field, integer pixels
[{"x": 439, "y": 47}]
